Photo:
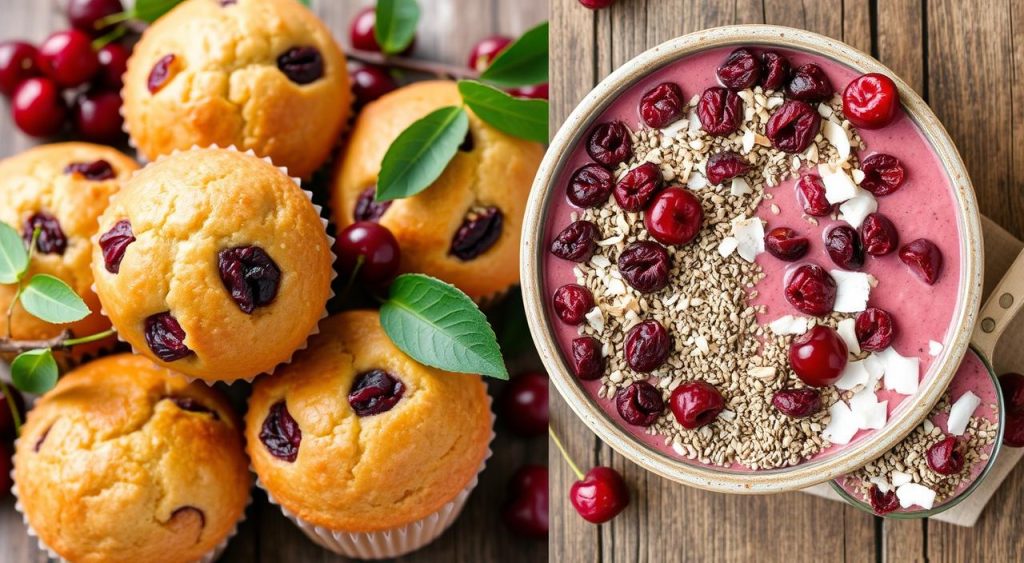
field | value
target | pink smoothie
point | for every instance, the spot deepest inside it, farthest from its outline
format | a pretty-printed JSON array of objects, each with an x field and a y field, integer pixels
[
  {"x": 973, "y": 375},
  {"x": 925, "y": 206}
]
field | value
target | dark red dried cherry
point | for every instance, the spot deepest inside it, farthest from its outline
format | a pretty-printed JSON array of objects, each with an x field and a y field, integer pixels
[
  {"x": 610, "y": 143},
  {"x": 797, "y": 403},
  {"x": 774, "y": 70},
  {"x": 879, "y": 235},
  {"x": 640, "y": 404},
  {"x": 793, "y": 126},
  {"x": 572, "y": 302},
  {"x": 785, "y": 244},
  {"x": 480, "y": 230},
  {"x": 645, "y": 266},
  {"x": 166, "y": 338},
  {"x": 577, "y": 242},
  {"x": 811, "y": 194},
  {"x": 662, "y": 105},
  {"x": 647, "y": 346},
  {"x": 923, "y": 258},
  {"x": 638, "y": 186},
  {"x": 726, "y": 165},
  {"x": 844, "y": 247},
  {"x": 374, "y": 392},
  {"x": 280, "y": 433},
  {"x": 52, "y": 239},
  {"x": 811, "y": 290},
  {"x": 589, "y": 186},
  {"x": 587, "y": 361},
  {"x": 720, "y": 111},
  {"x": 883, "y": 174},
  {"x": 875, "y": 329},
  {"x": 250, "y": 275},
  {"x": 114, "y": 243},
  {"x": 740, "y": 71},
  {"x": 809, "y": 83}
]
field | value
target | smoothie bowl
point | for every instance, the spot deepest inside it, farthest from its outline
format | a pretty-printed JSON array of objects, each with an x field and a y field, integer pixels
[{"x": 735, "y": 286}]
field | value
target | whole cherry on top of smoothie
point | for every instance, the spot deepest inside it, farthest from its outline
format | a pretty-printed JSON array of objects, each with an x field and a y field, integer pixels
[{"x": 696, "y": 325}]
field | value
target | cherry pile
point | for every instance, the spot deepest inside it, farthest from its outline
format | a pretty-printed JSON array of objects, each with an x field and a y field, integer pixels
[{"x": 66, "y": 82}]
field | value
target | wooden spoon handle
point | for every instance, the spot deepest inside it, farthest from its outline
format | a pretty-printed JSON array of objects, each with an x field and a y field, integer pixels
[{"x": 1000, "y": 308}]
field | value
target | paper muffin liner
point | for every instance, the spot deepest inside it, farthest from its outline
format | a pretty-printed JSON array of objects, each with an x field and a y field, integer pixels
[
  {"x": 393, "y": 542},
  {"x": 208, "y": 557},
  {"x": 330, "y": 249}
]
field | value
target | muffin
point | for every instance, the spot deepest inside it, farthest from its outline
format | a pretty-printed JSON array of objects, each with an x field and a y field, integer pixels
[
  {"x": 62, "y": 188},
  {"x": 465, "y": 227},
  {"x": 214, "y": 263},
  {"x": 369, "y": 452},
  {"x": 264, "y": 75},
  {"x": 127, "y": 461}
]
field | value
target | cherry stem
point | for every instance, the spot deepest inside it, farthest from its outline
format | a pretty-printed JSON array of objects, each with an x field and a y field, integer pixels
[
  {"x": 62, "y": 341},
  {"x": 11, "y": 406},
  {"x": 440, "y": 70},
  {"x": 565, "y": 454},
  {"x": 352, "y": 278}
]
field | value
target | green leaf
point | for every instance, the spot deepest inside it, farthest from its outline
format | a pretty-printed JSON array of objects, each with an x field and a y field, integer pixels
[
  {"x": 34, "y": 371},
  {"x": 305, "y": 3},
  {"x": 13, "y": 256},
  {"x": 52, "y": 300},
  {"x": 526, "y": 119},
  {"x": 396, "y": 22},
  {"x": 438, "y": 325},
  {"x": 522, "y": 63},
  {"x": 150, "y": 10},
  {"x": 421, "y": 153}
]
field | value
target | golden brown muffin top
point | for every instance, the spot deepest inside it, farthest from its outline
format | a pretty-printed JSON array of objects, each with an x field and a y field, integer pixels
[
  {"x": 497, "y": 172},
  {"x": 224, "y": 85},
  {"x": 376, "y": 471},
  {"x": 127, "y": 461},
  {"x": 185, "y": 212}
]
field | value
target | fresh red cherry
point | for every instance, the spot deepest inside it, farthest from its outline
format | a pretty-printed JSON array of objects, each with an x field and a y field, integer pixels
[
  {"x": 1012, "y": 385},
  {"x": 533, "y": 92},
  {"x": 875, "y": 329},
  {"x": 369, "y": 251},
  {"x": 6, "y": 418},
  {"x": 68, "y": 58},
  {"x": 486, "y": 50},
  {"x": 818, "y": 356},
  {"x": 362, "y": 32},
  {"x": 883, "y": 503},
  {"x": 526, "y": 507},
  {"x": 696, "y": 403},
  {"x": 785, "y": 244},
  {"x": 98, "y": 116},
  {"x": 370, "y": 83},
  {"x": 600, "y": 495},
  {"x": 572, "y": 302},
  {"x": 17, "y": 64},
  {"x": 113, "y": 60},
  {"x": 870, "y": 101},
  {"x": 597, "y": 4},
  {"x": 523, "y": 404},
  {"x": 38, "y": 108},
  {"x": 945, "y": 457},
  {"x": 675, "y": 216},
  {"x": 811, "y": 290},
  {"x": 85, "y": 15},
  {"x": 797, "y": 403},
  {"x": 1013, "y": 433},
  {"x": 923, "y": 258}
]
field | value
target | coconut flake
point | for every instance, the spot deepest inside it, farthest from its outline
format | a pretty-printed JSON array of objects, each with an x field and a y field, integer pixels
[
  {"x": 852, "y": 291},
  {"x": 854, "y": 210},
  {"x": 727, "y": 246},
  {"x": 749, "y": 234},
  {"x": 839, "y": 187},
  {"x": 881, "y": 482},
  {"x": 838, "y": 138},
  {"x": 842, "y": 426},
  {"x": 846, "y": 331},
  {"x": 788, "y": 324},
  {"x": 673, "y": 129},
  {"x": 696, "y": 181},
  {"x": 748, "y": 141},
  {"x": 595, "y": 319},
  {"x": 960, "y": 413},
  {"x": 900, "y": 478},
  {"x": 870, "y": 413},
  {"x": 934, "y": 348},
  {"x": 901, "y": 373},
  {"x": 854, "y": 374},
  {"x": 912, "y": 494},
  {"x": 740, "y": 187}
]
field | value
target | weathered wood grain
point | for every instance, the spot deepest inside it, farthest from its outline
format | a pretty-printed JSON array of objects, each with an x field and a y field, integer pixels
[
  {"x": 448, "y": 30},
  {"x": 957, "y": 54}
]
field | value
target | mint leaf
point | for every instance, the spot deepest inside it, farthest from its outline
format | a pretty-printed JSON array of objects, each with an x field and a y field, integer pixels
[
  {"x": 34, "y": 371},
  {"x": 151, "y": 10},
  {"x": 421, "y": 153},
  {"x": 13, "y": 256},
  {"x": 526, "y": 119},
  {"x": 522, "y": 63},
  {"x": 438, "y": 325},
  {"x": 52, "y": 300},
  {"x": 396, "y": 22}
]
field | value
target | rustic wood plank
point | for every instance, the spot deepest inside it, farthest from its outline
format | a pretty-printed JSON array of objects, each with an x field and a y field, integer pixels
[{"x": 901, "y": 40}]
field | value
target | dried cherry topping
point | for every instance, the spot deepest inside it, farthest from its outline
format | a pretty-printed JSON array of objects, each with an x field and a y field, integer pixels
[
  {"x": 51, "y": 236},
  {"x": 883, "y": 174},
  {"x": 638, "y": 186},
  {"x": 610, "y": 143},
  {"x": 793, "y": 126},
  {"x": 725, "y": 165},
  {"x": 875, "y": 329},
  {"x": 97, "y": 170},
  {"x": 280, "y": 434},
  {"x": 161, "y": 73},
  {"x": 811, "y": 194},
  {"x": 811, "y": 290},
  {"x": 662, "y": 105},
  {"x": 809, "y": 83},
  {"x": 480, "y": 230},
  {"x": 589, "y": 186},
  {"x": 923, "y": 258},
  {"x": 647, "y": 346},
  {"x": 878, "y": 235},
  {"x": 786, "y": 244},
  {"x": 577, "y": 242},
  {"x": 572, "y": 302},
  {"x": 374, "y": 392},
  {"x": 797, "y": 403},
  {"x": 883, "y": 503},
  {"x": 844, "y": 247},
  {"x": 774, "y": 70},
  {"x": 587, "y": 361},
  {"x": 166, "y": 338},
  {"x": 720, "y": 111},
  {"x": 645, "y": 266},
  {"x": 740, "y": 70},
  {"x": 302, "y": 65},
  {"x": 114, "y": 243},
  {"x": 640, "y": 404},
  {"x": 367, "y": 207},
  {"x": 945, "y": 456},
  {"x": 250, "y": 275},
  {"x": 192, "y": 405}
]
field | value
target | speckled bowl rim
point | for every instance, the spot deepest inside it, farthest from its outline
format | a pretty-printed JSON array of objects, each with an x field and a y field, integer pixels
[
  {"x": 996, "y": 447},
  {"x": 711, "y": 478}
]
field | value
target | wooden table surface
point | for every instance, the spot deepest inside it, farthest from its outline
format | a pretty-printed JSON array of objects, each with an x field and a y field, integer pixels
[
  {"x": 447, "y": 31},
  {"x": 965, "y": 60}
]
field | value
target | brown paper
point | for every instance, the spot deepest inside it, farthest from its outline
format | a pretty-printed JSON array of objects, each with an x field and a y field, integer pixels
[{"x": 1001, "y": 249}]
